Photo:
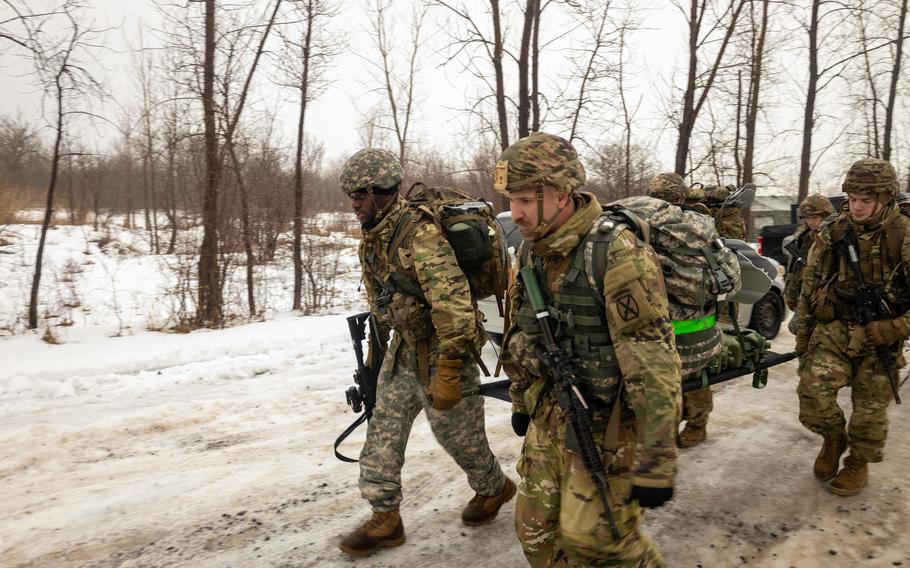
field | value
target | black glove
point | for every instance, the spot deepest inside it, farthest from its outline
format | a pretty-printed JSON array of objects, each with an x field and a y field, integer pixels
[
  {"x": 651, "y": 497},
  {"x": 520, "y": 423}
]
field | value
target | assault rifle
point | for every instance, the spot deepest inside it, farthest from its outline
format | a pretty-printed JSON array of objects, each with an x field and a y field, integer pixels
[
  {"x": 361, "y": 396},
  {"x": 566, "y": 387},
  {"x": 793, "y": 248},
  {"x": 869, "y": 305}
]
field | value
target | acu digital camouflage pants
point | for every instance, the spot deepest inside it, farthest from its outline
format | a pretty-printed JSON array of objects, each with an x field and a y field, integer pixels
[
  {"x": 838, "y": 358},
  {"x": 559, "y": 516},
  {"x": 399, "y": 399}
]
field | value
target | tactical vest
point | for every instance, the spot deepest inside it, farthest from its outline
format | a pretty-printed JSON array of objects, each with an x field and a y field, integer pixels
[
  {"x": 581, "y": 326},
  {"x": 880, "y": 263}
]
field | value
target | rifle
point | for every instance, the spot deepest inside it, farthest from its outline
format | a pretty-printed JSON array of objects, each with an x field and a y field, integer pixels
[
  {"x": 361, "y": 396},
  {"x": 564, "y": 374},
  {"x": 869, "y": 305},
  {"x": 793, "y": 248}
]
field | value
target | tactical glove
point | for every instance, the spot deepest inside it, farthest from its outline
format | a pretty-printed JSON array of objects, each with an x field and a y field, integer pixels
[
  {"x": 444, "y": 391},
  {"x": 651, "y": 497},
  {"x": 885, "y": 332},
  {"x": 520, "y": 423}
]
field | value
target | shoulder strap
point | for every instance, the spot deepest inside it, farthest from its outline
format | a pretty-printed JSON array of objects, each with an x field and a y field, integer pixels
[{"x": 607, "y": 231}]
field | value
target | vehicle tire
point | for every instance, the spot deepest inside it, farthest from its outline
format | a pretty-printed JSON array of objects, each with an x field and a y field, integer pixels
[{"x": 767, "y": 315}]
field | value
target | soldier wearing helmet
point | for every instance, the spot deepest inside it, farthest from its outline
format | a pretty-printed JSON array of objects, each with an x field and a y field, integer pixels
[
  {"x": 813, "y": 210},
  {"x": 836, "y": 351},
  {"x": 668, "y": 186},
  {"x": 619, "y": 339},
  {"x": 428, "y": 362}
]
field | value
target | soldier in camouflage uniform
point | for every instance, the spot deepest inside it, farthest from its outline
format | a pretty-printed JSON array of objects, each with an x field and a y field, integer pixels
[
  {"x": 697, "y": 404},
  {"x": 620, "y": 352},
  {"x": 835, "y": 350},
  {"x": 813, "y": 210},
  {"x": 418, "y": 290}
]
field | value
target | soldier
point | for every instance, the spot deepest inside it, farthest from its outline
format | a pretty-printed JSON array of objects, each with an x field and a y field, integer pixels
[
  {"x": 813, "y": 210},
  {"x": 419, "y": 291},
  {"x": 835, "y": 350},
  {"x": 697, "y": 404},
  {"x": 622, "y": 343}
]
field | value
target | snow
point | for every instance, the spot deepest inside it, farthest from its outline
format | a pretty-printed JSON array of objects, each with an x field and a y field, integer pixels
[{"x": 123, "y": 446}]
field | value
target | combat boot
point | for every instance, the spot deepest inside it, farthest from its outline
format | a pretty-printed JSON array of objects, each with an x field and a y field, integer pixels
[
  {"x": 851, "y": 479},
  {"x": 829, "y": 457},
  {"x": 692, "y": 435},
  {"x": 383, "y": 530},
  {"x": 482, "y": 509}
]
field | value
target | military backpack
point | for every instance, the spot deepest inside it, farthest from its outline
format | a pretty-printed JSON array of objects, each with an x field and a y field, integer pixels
[{"x": 470, "y": 226}]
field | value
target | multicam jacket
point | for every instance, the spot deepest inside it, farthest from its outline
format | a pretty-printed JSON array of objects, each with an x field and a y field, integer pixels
[
  {"x": 828, "y": 282},
  {"x": 631, "y": 352},
  {"x": 418, "y": 290}
]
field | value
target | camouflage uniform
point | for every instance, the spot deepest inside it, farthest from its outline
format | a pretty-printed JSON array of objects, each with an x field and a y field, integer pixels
[
  {"x": 813, "y": 205},
  {"x": 559, "y": 517},
  {"x": 698, "y": 404},
  {"x": 445, "y": 323},
  {"x": 836, "y": 351},
  {"x": 669, "y": 187}
]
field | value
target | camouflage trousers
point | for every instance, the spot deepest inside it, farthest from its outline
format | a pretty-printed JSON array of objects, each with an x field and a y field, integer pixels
[
  {"x": 558, "y": 514},
  {"x": 460, "y": 431},
  {"x": 838, "y": 358},
  {"x": 697, "y": 405}
]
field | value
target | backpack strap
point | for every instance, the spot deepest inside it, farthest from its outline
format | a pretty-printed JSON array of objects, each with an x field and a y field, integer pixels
[{"x": 599, "y": 240}]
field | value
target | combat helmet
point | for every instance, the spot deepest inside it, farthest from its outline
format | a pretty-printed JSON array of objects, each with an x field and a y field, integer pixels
[
  {"x": 815, "y": 205},
  {"x": 539, "y": 160},
  {"x": 669, "y": 187},
  {"x": 373, "y": 170},
  {"x": 871, "y": 175}
]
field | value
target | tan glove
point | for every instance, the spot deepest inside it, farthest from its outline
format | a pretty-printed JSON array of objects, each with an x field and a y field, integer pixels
[
  {"x": 885, "y": 332},
  {"x": 444, "y": 391}
]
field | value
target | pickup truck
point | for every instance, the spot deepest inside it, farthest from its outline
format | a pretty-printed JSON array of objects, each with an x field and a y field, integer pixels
[{"x": 764, "y": 315}]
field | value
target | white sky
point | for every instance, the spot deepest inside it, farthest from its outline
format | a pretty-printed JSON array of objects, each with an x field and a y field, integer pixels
[{"x": 658, "y": 58}]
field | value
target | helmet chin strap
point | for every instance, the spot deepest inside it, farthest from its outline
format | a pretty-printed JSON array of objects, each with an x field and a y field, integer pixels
[{"x": 544, "y": 224}]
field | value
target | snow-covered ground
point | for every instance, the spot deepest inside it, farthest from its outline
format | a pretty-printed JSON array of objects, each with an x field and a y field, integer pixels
[{"x": 214, "y": 448}]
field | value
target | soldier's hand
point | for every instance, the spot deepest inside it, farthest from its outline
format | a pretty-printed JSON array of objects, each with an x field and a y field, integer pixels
[
  {"x": 885, "y": 332},
  {"x": 520, "y": 423},
  {"x": 651, "y": 497},
  {"x": 444, "y": 391}
]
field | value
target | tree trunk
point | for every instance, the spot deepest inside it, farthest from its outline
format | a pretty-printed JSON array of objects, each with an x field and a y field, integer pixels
[
  {"x": 500, "y": 82},
  {"x": 48, "y": 212},
  {"x": 758, "y": 57},
  {"x": 246, "y": 232},
  {"x": 809, "y": 116},
  {"x": 687, "y": 121},
  {"x": 895, "y": 77},
  {"x": 524, "y": 55},
  {"x": 298, "y": 170},
  {"x": 209, "y": 310}
]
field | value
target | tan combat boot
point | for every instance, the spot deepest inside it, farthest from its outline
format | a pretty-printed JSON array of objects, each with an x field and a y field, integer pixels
[
  {"x": 483, "y": 509},
  {"x": 383, "y": 530},
  {"x": 851, "y": 479},
  {"x": 829, "y": 457},
  {"x": 692, "y": 435}
]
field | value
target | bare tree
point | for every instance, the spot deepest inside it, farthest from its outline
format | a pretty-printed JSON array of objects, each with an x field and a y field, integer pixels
[
  {"x": 61, "y": 73},
  {"x": 397, "y": 87},
  {"x": 304, "y": 61},
  {"x": 698, "y": 82}
]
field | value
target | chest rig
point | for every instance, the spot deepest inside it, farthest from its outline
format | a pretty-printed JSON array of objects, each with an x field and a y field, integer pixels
[
  {"x": 581, "y": 331},
  {"x": 880, "y": 262}
]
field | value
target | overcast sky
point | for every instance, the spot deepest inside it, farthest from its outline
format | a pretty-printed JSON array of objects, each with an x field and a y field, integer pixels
[{"x": 657, "y": 58}]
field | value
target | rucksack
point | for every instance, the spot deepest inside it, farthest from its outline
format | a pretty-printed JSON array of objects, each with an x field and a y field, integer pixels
[
  {"x": 470, "y": 226},
  {"x": 725, "y": 204},
  {"x": 699, "y": 271}
]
